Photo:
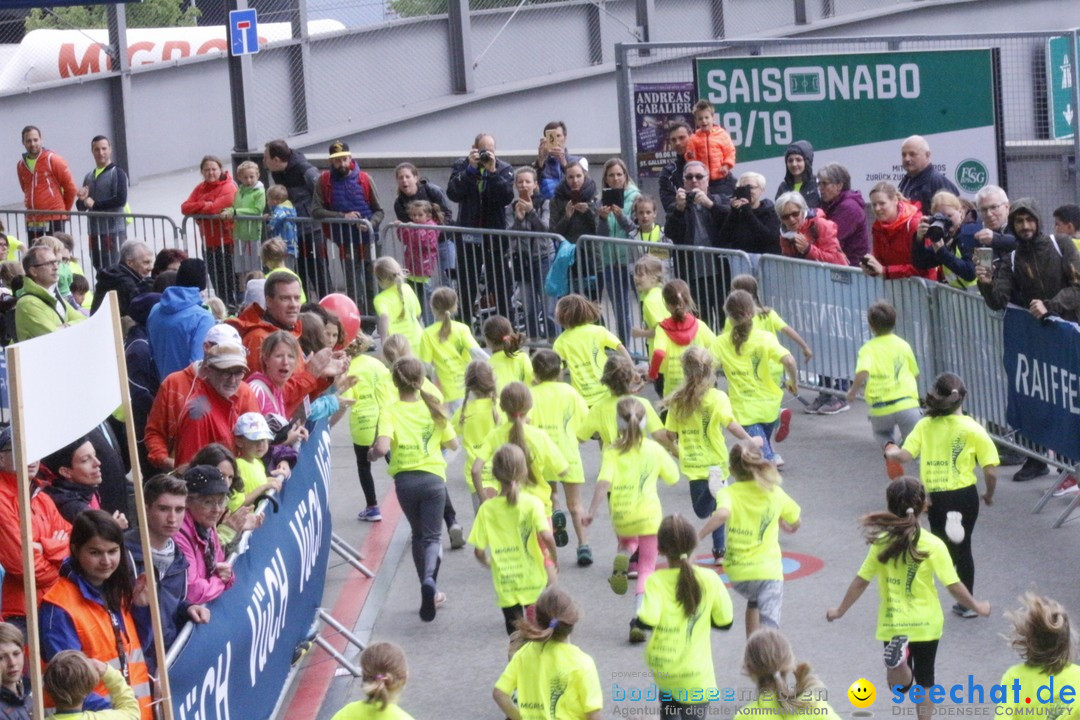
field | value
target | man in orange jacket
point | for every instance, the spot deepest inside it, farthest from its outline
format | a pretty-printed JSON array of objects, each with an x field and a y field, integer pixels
[{"x": 46, "y": 183}]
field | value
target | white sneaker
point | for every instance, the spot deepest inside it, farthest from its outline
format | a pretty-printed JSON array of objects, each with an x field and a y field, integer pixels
[
  {"x": 1069, "y": 487},
  {"x": 954, "y": 530},
  {"x": 779, "y": 461}
]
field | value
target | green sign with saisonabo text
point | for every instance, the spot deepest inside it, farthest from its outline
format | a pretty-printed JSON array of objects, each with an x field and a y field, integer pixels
[{"x": 857, "y": 108}]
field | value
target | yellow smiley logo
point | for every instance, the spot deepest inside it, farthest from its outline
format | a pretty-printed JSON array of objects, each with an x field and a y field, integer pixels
[{"x": 862, "y": 693}]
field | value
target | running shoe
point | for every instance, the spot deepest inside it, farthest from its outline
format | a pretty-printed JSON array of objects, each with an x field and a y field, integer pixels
[
  {"x": 814, "y": 408},
  {"x": 618, "y": 581},
  {"x": 785, "y": 425},
  {"x": 558, "y": 527},
  {"x": 457, "y": 537},
  {"x": 896, "y": 652},
  {"x": 835, "y": 406},
  {"x": 717, "y": 557},
  {"x": 964, "y": 612},
  {"x": 954, "y": 529},
  {"x": 637, "y": 632},
  {"x": 1069, "y": 487},
  {"x": 370, "y": 514},
  {"x": 584, "y": 556},
  {"x": 778, "y": 461},
  {"x": 429, "y": 596}
]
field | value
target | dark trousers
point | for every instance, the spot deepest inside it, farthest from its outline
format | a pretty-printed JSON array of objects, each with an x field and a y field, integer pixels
[
  {"x": 422, "y": 496},
  {"x": 966, "y": 502},
  {"x": 511, "y": 615},
  {"x": 705, "y": 505},
  {"x": 105, "y": 250},
  {"x": 363, "y": 470},
  {"x": 48, "y": 228},
  {"x": 312, "y": 264}
]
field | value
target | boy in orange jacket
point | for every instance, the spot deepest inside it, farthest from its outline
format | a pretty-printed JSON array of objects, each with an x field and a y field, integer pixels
[{"x": 712, "y": 145}]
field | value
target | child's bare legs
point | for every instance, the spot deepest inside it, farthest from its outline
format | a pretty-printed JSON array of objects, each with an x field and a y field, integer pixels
[
  {"x": 572, "y": 491},
  {"x": 753, "y": 619}
]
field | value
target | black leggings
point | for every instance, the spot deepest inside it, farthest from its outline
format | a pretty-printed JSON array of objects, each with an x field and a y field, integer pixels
[
  {"x": 363, "y": 469},
  {"x": 966, "y": 502},
  {"x": 511, "y": 615},
  {"x": 921, "y": 656}
]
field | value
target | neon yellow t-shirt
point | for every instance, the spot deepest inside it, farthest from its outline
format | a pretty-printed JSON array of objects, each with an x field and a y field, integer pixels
[
  {"x": 389, "y": 303},
  {"x": 554, "y": 681},
  {"x": 511, "y": 533},
  {"x": 1050, "y": 705},
  {"x": 14, "y": 247},
  {"x": 415, "y": 440},
  {"x": 671, "y": 365},
  {"x": 474, "y": 429},
  {"x": 653, "y": 310},
  {"x": 770, "y": 708},
  {"x": 892, "y": 385},
  {"x": 509, "y": 369},
  {"x": 547, "y": 462},
  {"x": 364, "y": 710},
  {"x": 559, "y": 410},
  {"x": 679, "y": 651},
  {"x": 753, "y": 530},
  {"x": 909, "y": 603},
  {"x": 755, "y": 394},
  {"x": 701, "y": 435},
  {"x": 583, "y": 349},
  {"x": 634, "y": 502},
  {"x": 373, "y": 390},
  {"x": 948, "y": 448},
  {"x": 603, "y": 419},
  {"x": 427, "y": 386},
  {"x": 450, "y": 357}
]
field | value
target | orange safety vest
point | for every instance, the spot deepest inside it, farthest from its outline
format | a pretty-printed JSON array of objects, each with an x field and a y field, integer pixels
[{"x": 95, "y": 628}]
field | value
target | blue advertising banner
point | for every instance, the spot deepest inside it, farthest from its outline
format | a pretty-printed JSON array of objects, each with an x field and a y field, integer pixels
[
  {"x": 1042, "y": 361},
  {"x": 236, "y": 666}
]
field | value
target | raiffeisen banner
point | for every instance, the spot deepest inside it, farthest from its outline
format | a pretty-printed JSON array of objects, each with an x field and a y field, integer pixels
[
  {"x": 856, "y": 109},
  {"x": 46, "y": 56}
]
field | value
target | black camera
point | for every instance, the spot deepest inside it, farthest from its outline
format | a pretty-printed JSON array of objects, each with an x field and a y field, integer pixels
[
  {"x": 940, "y": 224},
  {"x": 743, "y": 192},
  {"x": 691, "y": 194},
  {"x": 485, "y": 156}
]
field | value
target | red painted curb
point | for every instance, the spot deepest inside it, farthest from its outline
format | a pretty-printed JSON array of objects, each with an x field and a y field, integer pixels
[{"x": 313, "y": 682}]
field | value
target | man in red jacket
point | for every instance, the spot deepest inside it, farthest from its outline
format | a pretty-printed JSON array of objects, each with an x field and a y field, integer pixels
[
  {"x": 46, "y": 183},
  {"x": 50, "y": 537}
]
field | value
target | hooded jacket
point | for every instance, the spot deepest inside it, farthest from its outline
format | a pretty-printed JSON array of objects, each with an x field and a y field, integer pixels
[
  {"x": 577, "y": 224},
  {"x": 848, "y": 211},
  {"x": 714, "y": 148},
  {"x": 36, "y": 313},
  {"x": 143, "y": 377},
  {"x": 823, "y": 247},
  {"x": 45, "y": 522},
  {"x": 71, "y": 498},
  {"x": 249, "y": 202},
  {"x": 299, "y": 178},
  {"x": 49, "y": 186},
  {"x": 210, "y": 198},
  {"x": 681, "y": 332},
  {"x": 126, "y": 282},
  {"x": 172, "y": 593},
  {"x": 202, "y": 584},
  {"x": 809, "y": 188},
  {"x": 1042, "y": 268},
  {"x": 177, "y": 326},
  {"x": 892, "y": 244}
]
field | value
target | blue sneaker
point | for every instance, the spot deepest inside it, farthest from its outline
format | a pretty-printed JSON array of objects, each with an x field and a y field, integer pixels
[{"x": 370, "y": 514}]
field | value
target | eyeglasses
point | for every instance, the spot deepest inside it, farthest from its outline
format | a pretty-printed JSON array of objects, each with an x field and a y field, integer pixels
[
  {"x": 49, "y": 263},
  {"x": 790, "y": 215},
  {"x": 693, "y": 177},
  {"x": 230, "y": 372},
  {"x": 987, "y": 209}
]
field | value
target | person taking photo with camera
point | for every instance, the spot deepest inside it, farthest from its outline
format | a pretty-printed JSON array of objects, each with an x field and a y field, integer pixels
[{"x": 943, "y": 240}]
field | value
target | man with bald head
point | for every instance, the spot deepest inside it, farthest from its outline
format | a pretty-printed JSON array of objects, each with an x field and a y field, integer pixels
[{"x": 922, "y": 179}]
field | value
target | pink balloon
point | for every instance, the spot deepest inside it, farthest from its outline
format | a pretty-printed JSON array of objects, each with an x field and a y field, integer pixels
[{"x": 347, "y": 313}]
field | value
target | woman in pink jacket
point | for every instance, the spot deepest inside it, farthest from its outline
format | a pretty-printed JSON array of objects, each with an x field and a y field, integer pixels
[
  {"x": 806, "y": 233},
  {"x": 210, "y": 197},
  {"x": 208, "y": 574}
]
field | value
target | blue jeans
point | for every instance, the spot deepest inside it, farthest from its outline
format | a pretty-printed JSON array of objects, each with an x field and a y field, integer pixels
[
  {"x": 705, "y": 505},
  {"x": 763, "y": 431},
  {"x": 616, "y": 279}
]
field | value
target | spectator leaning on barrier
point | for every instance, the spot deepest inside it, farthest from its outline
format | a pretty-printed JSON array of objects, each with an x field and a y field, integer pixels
[
  {"x": 290, "y": 168},
  {"x": 922, "y": 179},
  {"x": 531, "y": 257},
  {"x": 895, "y": 223},
  {"x": 944, "y": 240},
  {"x": 210, "y": 198},
  {"x": 752, "y": 225},
  {"x": 671, "y": 176},
  {"x": 807, "y": 233},
  {"x": 799, "y": 173},
  {"x": 50, "y": 535},
  {"x": 847, "y": 209},
  {"x": 410, "y": 186},
  {"x": 993, "y": 205},
  {"x": 46, "y": 184},
  {"x": 129, "y": 277},
  {"x": 178, "y": 324},
  {"x": 104, "y": 190},
  {"x": 208, "y": 574},
  {"x": 40, "y": 309}
]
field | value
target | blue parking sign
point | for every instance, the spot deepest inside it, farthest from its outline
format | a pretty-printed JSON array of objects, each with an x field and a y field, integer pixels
[{"x": 243, "y": 32}]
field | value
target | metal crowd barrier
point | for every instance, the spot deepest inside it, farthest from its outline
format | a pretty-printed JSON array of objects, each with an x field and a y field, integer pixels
[{"x": 97, "y": 244}]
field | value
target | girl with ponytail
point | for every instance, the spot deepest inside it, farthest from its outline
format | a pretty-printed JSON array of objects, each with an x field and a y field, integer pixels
[
  {"x": 584, "y": 345},
  {"x": 475, "y": 419},
  {"x": 449, "y": 345},
  {"x": 1046, "y": 643},
  {"x": 949, "y": 445},
  {"x": 507, "y": 360},
  {"x": 513, "y": 526},
  {"x": 621, "y": 380},
  {"x": 770, "y": 663},
  {"x": 905, "y": 560},
  {"x": 630, "y": 468},
  {"x": 414, "y": 430},
  {"x": 385, "y": 673},
  {"x": 543, "y": 659},
  {"x": 396, "y": 306},
  {"x": 697, "y": 416},
  {"x": 675, "y": 334},
  {"x": 682, "y": 604},
  {"x": 747, "y": 356},
  {"x": 754, "y": 508}
]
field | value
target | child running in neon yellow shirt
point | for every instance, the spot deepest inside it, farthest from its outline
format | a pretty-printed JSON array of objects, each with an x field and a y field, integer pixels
[
  {"x": 648, "y": 281},
  {"x": 372, "y": 391},
  {"x": 698, "y": 413},
  {"x": 507, "y": 360},
  {"x": 1042, "y": 635},
  {"x": 396, "y": 306},
  {"x": 449, "y": 346},
  {"x": 755, "y": 508},
  {"x": 583, "y": 345},
  {"x": 675, "y": 334},
  {"x": 769, "y": 662},
  {"x": 949, "y": 445},
  {"x": 544, "y": 660},
  {"x": 886, "y": 367},
  {"x": 384, "y": 674},
  {"x": 621, "y": 380},
  {"x": 630, "y": 467},
  {"x": 558, "y": 410},
  {"x": 474, "y": 421},
  {"x": 905, "y": 560},
  {"x": 682, "y": 605},
  {"x": 507, "y": 537},
  {"x": 746, "y": 356}
]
